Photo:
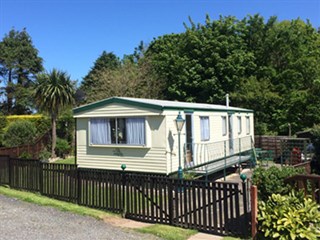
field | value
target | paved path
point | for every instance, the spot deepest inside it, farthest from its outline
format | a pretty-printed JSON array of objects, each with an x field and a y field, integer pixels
[{"x": 22, "y": 220}]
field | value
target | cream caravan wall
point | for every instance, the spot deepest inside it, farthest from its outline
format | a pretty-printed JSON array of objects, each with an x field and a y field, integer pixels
[
  {"x": 172, "y": 141},
  {"x": 151, "y": 158}
]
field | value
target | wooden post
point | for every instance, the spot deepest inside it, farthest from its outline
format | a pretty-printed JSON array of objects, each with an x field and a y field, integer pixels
[{"x": 254, "y": 210}]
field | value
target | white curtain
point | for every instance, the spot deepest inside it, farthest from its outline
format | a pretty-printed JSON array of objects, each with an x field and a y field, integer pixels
[
  {"x": 100, "y": 131},
  {"x": 248, "y": 125},
  {"x": 224, "y": 126},
  {"x": 135, "y": 128},
  {"x": 205, "y": 129}
]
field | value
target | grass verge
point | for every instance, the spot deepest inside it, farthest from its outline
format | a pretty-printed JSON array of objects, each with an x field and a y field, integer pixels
[
  {"x": 63, "y": 206},
  {"x": 70, "y": 160},
  {"x": 168, "y": 232}
]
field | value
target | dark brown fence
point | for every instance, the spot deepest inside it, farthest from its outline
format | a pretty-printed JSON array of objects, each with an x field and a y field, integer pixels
[
  {"x": 4, "y": 169},
  {"x": 213, "y": 207},
  {"x": 269, "y": 143},
  {"x": 31, "y": 149},
  {"x": 100, "y": 189},
  {"x": 310, "y": 184},
  {"x": 24, "y": 174},
  {"x": 59, "y": 181}
]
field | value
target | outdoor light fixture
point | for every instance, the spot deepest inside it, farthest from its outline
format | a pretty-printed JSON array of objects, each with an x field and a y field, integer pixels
[{"x": 179, "y": 124}]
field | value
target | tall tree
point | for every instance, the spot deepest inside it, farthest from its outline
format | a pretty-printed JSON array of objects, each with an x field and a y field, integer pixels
[
  {"x": 203, "y": 63},
  {"x": 54, "y": 91},
  {"x": 129, "y": 80},
  {"x": 287, "y": 56},
  {"x": 269, "y": 66},
  {"x": 106, "y": 61},
  {"x": 19, "y": 62}
]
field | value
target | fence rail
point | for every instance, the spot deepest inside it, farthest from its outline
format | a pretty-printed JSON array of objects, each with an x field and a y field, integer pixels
[
  {"x": 213, "y": 207},
  {"x": 310, "y": 184}
]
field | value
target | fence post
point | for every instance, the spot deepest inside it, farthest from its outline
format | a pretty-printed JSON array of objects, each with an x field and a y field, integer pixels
[
  {"x": 254, "y": 210},
  {"x": 170, "y": 195},
  {"x": 225, "y": 160},
  {"x": 10, "y": 171},
  {"x": 245, "y": 202},
  {"x": 40, "y": 177},
  {"x": 78, "y": 186},
  {"x": 123, "y": 176},
  {"x": 239, "y": 155}
]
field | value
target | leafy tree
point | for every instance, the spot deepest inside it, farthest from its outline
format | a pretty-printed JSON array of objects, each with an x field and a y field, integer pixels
[
  {"x": 19, "y": 62},
  {"x": 19, "y": 133},
  {"x": 130, "y": 80},
  {"x": 269, "y": 66},
  {"x": 54, "y": 91},
  {"x": 106, "y": 61},
  {"x": 203, "y": 63}
]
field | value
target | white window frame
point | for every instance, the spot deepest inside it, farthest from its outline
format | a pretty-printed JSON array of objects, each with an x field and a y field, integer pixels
[
  {"x": 116, "y": 142},
  {"x": 239, "y": 124},
  {"x": 248, "y": 125},
  {"x": 224, "y": 125},
  {"x": 204, "y": 136}
]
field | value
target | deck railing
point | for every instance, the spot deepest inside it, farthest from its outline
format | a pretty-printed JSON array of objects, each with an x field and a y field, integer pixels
[{"x": 204, "y": 153}]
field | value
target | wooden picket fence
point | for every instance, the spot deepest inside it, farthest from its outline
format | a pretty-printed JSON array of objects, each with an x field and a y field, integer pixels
[{"x": 213, "y": 207}]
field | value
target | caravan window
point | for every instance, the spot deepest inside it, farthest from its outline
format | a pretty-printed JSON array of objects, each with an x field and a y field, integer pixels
[
  {"x": 205, "y": 128},
  {"x": 248, "y": 125},
  {"x": 105, "y": 131},
  {"x": 224, "y": 125},
  {"x": 239, "y": 125}
]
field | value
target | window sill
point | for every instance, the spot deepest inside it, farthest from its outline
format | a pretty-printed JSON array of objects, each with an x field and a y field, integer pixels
[{"x": 120, "y": 146}]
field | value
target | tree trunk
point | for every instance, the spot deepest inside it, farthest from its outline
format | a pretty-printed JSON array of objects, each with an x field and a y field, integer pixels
[
  {"x": 9, "y": 92},
  {"x": 54, "y": 135}
]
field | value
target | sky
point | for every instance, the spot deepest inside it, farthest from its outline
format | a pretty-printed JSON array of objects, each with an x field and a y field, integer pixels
[{"x": 70, "y": 35}]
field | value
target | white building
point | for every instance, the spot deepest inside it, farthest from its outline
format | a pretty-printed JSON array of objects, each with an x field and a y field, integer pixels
[{"x": 142, "y": 134}]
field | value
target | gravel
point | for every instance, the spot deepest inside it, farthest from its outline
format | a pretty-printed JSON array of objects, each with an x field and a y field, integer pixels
[{"x": 22, "y": 220}]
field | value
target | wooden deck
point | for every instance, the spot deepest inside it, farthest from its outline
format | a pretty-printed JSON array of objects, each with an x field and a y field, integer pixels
[{"x": 220, "y": 164}]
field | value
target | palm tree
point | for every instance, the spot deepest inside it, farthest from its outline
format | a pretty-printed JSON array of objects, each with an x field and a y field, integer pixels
[{"x": 54, "y": 91}]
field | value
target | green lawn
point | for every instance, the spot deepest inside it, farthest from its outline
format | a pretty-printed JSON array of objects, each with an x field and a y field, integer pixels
[
  {"x": 45, "y": 201},
  {"x": 168, "y": 232},
  {"x": 70, "y": 160}
]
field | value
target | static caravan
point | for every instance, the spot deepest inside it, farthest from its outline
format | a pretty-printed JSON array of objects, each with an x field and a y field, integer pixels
[{"x": 143, "y": 135}]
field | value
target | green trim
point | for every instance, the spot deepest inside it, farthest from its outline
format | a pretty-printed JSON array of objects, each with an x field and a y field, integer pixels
[
  {"x": 192, "y": 110},
  {"x": 152, "y": 106},
  {"x": 115, "y": 100},
  {"x": 188, "y": 111}
]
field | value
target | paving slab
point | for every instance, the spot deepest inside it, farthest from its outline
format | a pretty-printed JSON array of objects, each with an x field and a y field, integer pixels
[
  {"x": 204, "y": 236},
  {"x": 125, "y": 223}
]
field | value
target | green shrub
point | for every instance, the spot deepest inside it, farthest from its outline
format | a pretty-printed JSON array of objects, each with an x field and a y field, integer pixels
[
  {"x": 271, "y": 180},
  {"x": 65, "y": 126},
  {"x": 288, "y": 217},
  {"x": 25, "y": 155},
  {"x": 41, "y": 122},
  {"x": 3, "y": 123},
  {"x": 19, "y": 133},
  {"x": 316, "y": 139},
  {"x": 62, "y": 147},
  {"x": 44, "y": 155}
]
